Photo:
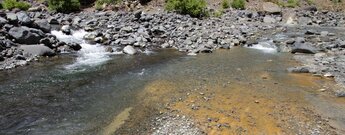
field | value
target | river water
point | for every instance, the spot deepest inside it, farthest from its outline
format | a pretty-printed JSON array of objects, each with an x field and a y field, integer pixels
[{"x": 94, "y": 92}]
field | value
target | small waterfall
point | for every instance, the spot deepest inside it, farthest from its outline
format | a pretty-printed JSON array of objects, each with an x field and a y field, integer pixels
[
  {"x": 89, "y": 55},
  {"x": 265, "y": 46}
]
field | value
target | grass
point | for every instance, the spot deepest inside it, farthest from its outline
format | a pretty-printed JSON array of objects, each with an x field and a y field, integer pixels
[
  {"x": 238, "y": 4},
  {"x": 194, "y": 8},
  {"x": 11, "y": 4}
]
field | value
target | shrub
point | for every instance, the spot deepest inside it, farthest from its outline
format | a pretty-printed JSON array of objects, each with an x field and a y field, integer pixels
[
  {"x": 218, "y": 13},
  {"x": 225, "y": 4},
  {"x": 194, "y": 8},
  {"x": 10, "y": 4},
  {"x": 64, "y": 5},
  {"x": 292, "y": 3},
  {"x": 238, "y": 4}
]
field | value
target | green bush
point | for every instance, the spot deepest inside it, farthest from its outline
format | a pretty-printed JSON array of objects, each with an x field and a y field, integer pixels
[
  {"x": 238, "y": 4},
  {"x": 292, "y": 3},
  {"x": 225, "y": 4},
  {"x": 64, "y": 5},
  {"x": 11, "y": 4},
  {"x": 194, "y": 8}
]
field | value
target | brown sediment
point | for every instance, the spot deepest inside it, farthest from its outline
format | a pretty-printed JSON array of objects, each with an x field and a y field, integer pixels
[{"x": 117, "y": 122}]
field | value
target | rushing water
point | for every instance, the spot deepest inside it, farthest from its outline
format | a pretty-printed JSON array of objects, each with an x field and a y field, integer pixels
[{"x": 47, "y": 98}]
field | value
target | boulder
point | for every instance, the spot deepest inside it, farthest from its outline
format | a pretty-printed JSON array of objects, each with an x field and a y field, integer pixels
[
  {"x": 271, "y": 8},
  {"x": 12, "y": 17},
  {"x": 37, "y": 50},
  {"x": 23, "y": 18},
  {"x": 43, "y": 25},
  {"x": 23, "y": 35},
  {"x": 129, "y": 50},
  {"x": 3, "y": 21},
  {"x": 304, "y": 48},
  {"x": 269, "y": 19}
]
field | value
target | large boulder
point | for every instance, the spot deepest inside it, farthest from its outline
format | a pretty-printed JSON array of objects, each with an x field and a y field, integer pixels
[
  {"x": 43, "y": 25},
  {"x": 37, "y": 50},
  {"x": 129, "y": 50},
  {"x": 23, "y": 35},
  {"x": 271, "y": 8},
  {"x": 304, "y": 48}
]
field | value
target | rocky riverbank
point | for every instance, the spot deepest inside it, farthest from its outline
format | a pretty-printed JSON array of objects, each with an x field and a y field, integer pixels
[{"x": 25, "y": 35}]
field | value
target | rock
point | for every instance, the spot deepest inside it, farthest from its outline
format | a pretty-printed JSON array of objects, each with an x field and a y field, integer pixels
[
  {"x": 271, "y": 8},
  {"x": 37, "y": 8},
  {"x": 304, "y": 48},
  {"x": 99, "y": 40},
  {"x": 47, "y": 42},
  {"x": 311, "y": 32},
  {"x": 37, "y": 50},
  {"x": 23, "y": 18},
  {"x": 137, "y": 14},
  {"x": 74, "y": 46},
  {"x": 3, "y": 21},
  {"x": 12, "y": 17},
  {"x": 298, "y": 70},
  {"x": 324, "y": 33},
  {"x": 340, "y": 93},
  {"x": 304, "y": 21},
  {"x": 66, "y": 29},
  {"x": 129, "y": 50},
  {"x": 43, "y": 25},
  {"x": 109, "y": 49},
  {"x": 269, "y": 19},
  {"x": 24, "y": 36}
]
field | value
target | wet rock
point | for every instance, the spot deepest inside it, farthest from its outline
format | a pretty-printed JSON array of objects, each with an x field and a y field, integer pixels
[
  {"x": 23, "y": 35},
  {"x": 298, "y": 70},
  {"x": 37, "y": 50},
  {"x": 99, "y": 40},
  {"x": 129, "y": 50},
  {"x": 271, "y": 8},
  {"x": 47, "y": 42},
  {"x": 74, "y": 46},
  {"x": 304, "y": 48},
  {"x": 66, "y": 29}
]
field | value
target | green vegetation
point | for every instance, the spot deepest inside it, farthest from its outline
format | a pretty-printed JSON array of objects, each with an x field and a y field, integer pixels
[
  {"x": 310, "y": 2},
  {"x": 194, "y": 8},
  {"x": 64, "y": 5},
  {"x": 225, "y": 4},
  {"x": 238, "y": 4},
  {"x": 11, "y": 4},
  {"x": 292, "y": 3},
  {"x": 99, "y": 3}
]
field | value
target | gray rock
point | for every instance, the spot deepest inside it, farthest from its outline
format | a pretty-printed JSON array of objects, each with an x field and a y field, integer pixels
[
  {"x": 304, "y": 21},
  {"x": 43, "y": 25},
  {"x": 298, "y": 70},
  {"x": 269, "y": 19},
  {"x": 12, "y": 17},
  {"x": 340, "y": 93},
  {"x": 23, "y": 18},
  {"x": 109, "y": 49},
  {"x": 37, "y": 50},
  {"x": 324, "y": 33},
  {"x": 3, "y": 21},
  {"x": 311, "y": 32},
  {"x": 66, "y": 29},
  {"x": 129, "y": 50},
  {"x": 270, "y": 7},
  {"x": 24, "y": 36},
  {"x": 304, "y": 48}
]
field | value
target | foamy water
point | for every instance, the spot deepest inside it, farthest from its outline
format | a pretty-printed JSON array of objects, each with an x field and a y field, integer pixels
[
  {"x": 89, "y": 55},
  {"x": 266, "y": 47}
]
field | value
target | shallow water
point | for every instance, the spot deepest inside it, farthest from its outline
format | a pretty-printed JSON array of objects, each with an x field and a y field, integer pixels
[{"x": 48, "y": 98}]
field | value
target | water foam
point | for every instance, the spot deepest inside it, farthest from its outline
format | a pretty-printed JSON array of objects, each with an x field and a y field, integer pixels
[
  {"x": 266, "y": 46},
  {"x": 89, "y": 55}
]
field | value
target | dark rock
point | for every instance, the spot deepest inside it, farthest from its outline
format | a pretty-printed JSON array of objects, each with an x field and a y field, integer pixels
[
  {"x": 304, "y": 48},
  {"x": 37, "y": 50},
  {"x": 47, "y": 42},
  {"x": 298, "y": 70},
  {"x": 3, "y": 21},
  {"x": 2, "y": 58},
  {"x": 43, "y": 25},
  {"x": 20, "y": 57},
  {"x": 311, "y": 32},
  {"x": 137, "y": 14},
  {"x": 74, "y": 46},
  {"x": 24, "y": 36}
]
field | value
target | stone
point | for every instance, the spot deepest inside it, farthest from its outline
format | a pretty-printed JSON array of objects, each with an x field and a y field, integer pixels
[
  {"x": 271, "y": 8},
  {"x": 23, "y": 18},
  {"x": 90, "y": 36},
  {"x": 311, "y": 32},
  {"x": 66, "y": 29},
  {"x": 324, "y": 33},
  {"x": 137, "y": 14},
  {"x": 74, "y": 46},
  {"x": 12, "y": 17},
  {"x": 303, "y": 48},
  {"x": 3, "y": 21},
  {"x": 24, "y": 36},
  {"x": 129, "y": 50},
  {"x": 304, "y": 21},
  {"x": 298, "y": 70},
  {"x": 99, "y": 40},
  {"x": 37, "y": 50},
  {"x": 269, "y": 19},
  {"x": 43, "y": 25},
  {"x": 47, "y": 42},
  {"x": 109, "y": 49}
]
